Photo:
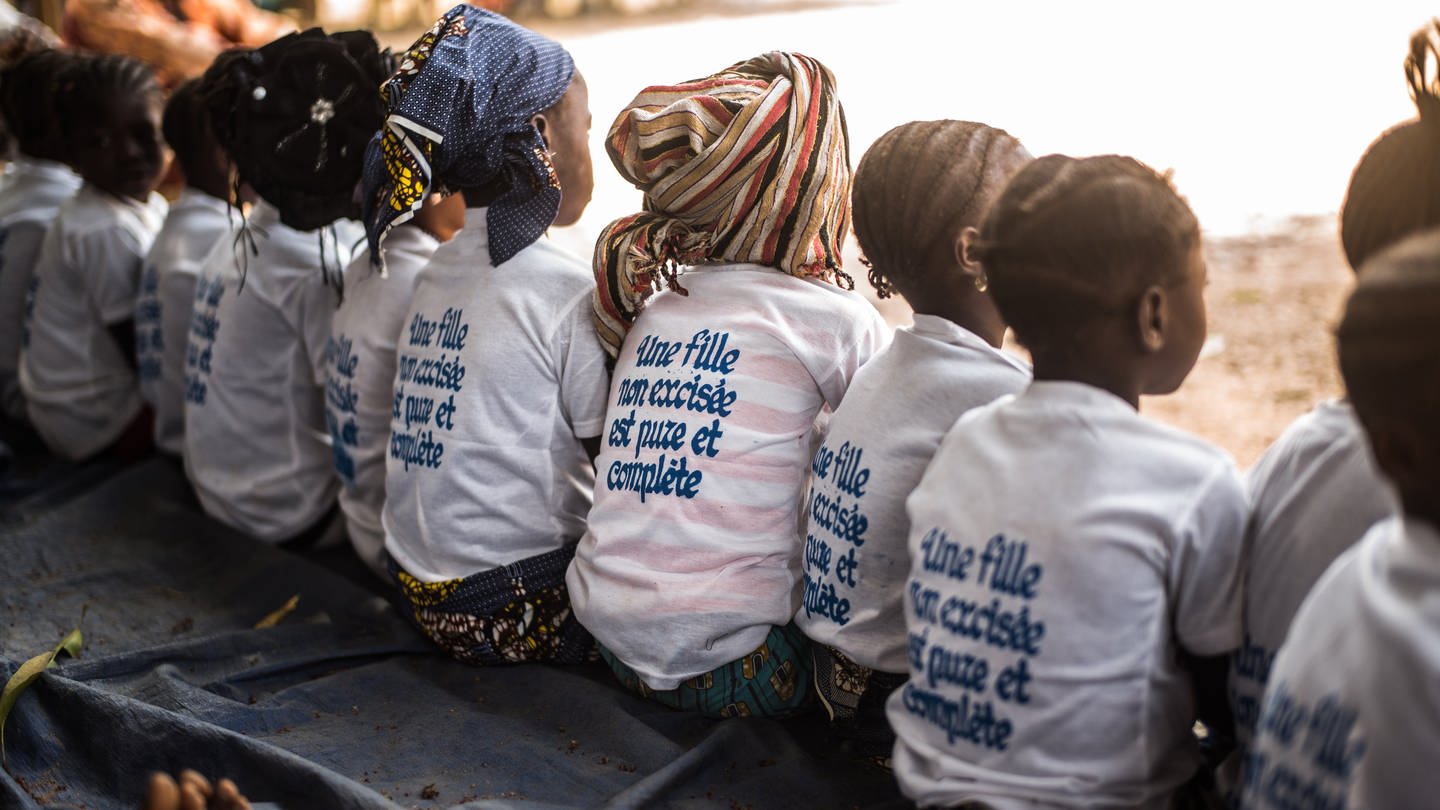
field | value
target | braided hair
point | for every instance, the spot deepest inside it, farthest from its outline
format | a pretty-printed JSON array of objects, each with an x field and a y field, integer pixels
[
  {"x": 918, "y": 186},
  {"x": 1395, "y": 188},
  {"x": 1071, "y": 240},
  {"x": 96, "y": 81}
]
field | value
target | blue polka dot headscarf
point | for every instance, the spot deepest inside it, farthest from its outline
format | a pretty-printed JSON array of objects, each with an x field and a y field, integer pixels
[{"x": 458, "y": 113}]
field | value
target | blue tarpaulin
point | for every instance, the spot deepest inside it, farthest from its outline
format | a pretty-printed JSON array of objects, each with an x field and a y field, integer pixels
[{"x": 341, "y": 704}]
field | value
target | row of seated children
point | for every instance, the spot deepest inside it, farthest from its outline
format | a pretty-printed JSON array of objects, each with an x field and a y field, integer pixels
[{"x": 1061, "y": 584}]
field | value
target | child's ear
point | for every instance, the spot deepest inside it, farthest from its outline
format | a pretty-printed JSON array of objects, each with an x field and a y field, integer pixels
[
  {"x": 542, "y": 126},
  {"x": 1152, "y": 318},
  {"x": 965, "y": 257}
]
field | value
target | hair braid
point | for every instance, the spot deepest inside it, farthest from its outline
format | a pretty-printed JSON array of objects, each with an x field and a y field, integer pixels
[
  {"x": 97, "y": 81},
  {"x": 919, "y": 185}
]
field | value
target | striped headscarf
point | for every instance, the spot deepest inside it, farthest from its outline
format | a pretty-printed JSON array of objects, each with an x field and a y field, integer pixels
[
  {"x": 749, "y": 165},
  {"x": 458, "y": 115}
]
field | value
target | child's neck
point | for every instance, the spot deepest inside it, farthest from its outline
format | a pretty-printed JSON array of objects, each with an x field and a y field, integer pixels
[
  {"x": 1093, "y": 366},
  {"x": 956, "y": 300}
]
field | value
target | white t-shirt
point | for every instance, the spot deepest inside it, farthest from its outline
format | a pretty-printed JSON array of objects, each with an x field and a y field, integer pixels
[
  {"x": 499, "y": 377},
  {"x": 1352, "y": 714},
  {"x": 879, "y": 443},
  {"x": 1062, "y": 547},
  {"x": 360, "y": 380},
  {"x": 31, "y": 192},
  {"x": 256, "y": 447},
  {"x": 693, "y": 549},
  {"x": 79, "y": 388},
  {"x": 162, "y": 312},
  {"x": 1313, "y": 494}
]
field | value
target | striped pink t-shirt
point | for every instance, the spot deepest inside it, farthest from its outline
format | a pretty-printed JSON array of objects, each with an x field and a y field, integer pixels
[{"x": 693, "y": 547}]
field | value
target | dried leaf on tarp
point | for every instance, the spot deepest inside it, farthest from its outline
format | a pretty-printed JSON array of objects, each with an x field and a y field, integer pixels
[
  {"x": 274, "y": 618},
  {"x": 29, "y": 671}
]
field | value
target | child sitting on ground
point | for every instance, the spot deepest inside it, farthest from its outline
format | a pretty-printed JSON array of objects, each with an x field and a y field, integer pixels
[
  {"x": 689, "y": 571},
  {"x": 1351, "y": 712},
  {"x": 32, "y": 189},
  {"x": 194, "y": 225},
  {"x": 77, "y": 369},
  {"x": 500, "y": 385},
  {"x": 1317, "y": 490},
  {"x": 1070, "y": 559},
  {"x": 360, "y": 367},
  {"x": 920, "y": 192},
  {"x": 294, "y": 117}
]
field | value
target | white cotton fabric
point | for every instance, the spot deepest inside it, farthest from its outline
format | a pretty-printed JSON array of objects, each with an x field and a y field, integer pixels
[
  {"x": 678, "y": 583},
  {"x": 162, "y": 311},
  {"x": 360, "y": 379},
  {"x": 1313, "y": 495},
  {"x": 256, "y": 447},
  {"x": 80, "y": 390},
  {"x": 31, "y": 192},
  {"x": 499, "y": 377},
  {"x": 1070, "y": 545},
  {"x": 1352, "y": 713},
  {"x": 879, "y": 443}
]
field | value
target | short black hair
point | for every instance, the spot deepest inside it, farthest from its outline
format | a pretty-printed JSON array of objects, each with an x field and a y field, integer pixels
[
  {"x": 187, "y": 130},
  {"x": 28, "y": 100},
  {"x": 1071, "y": 240},
  {"x": 1395, "y": 188},
  {"x": 918, "y": 185},
  {"x": 1389, "y": 355}
]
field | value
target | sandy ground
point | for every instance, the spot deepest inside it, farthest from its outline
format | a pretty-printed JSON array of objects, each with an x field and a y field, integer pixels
[{"x": 1262, "y": 157}]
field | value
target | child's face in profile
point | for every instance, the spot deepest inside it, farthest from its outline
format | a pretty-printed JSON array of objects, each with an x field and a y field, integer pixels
[
  {"x": 1186, "y": 328},
  {"x": 124, "y": 153},
  {"x": 569, "y": 137}
]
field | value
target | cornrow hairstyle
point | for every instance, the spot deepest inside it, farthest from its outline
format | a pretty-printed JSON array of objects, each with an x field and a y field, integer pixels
[
  {"x": 918, "y": 186},
  {"x": 28, "y": 94},
  {"x": 1388, "y": 356},
  {"x": 295, "y": 116},
  {"x": 186, "y": 126},
  {"x": 96, "y": 81},
  {"x": 1072, "y": 240},
  {"x": 1395, "y": 188}
]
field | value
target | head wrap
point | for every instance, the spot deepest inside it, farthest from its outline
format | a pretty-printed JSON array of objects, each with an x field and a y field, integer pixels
[
  {"x": 458, "y": 116},
  {"x": 295, "y": 116},
  {"x": 749, "y": 165}
]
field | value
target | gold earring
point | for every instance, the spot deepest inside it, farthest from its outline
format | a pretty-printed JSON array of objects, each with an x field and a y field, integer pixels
[{"x": 981, "y": 283}]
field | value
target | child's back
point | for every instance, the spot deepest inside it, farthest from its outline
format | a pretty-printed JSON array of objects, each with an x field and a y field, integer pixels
[
  {"x": 1070, "y": 558},
  {"x": 692, "y": 540},
  {"x": 256, "y": 447},
  {"x": 498, "y": 373},
  {"x": 1351, "y": 711},
  {"x": 32, "y": 189},
  {"x": 1063, "y": 547},
  {"x": 360, "y": 363},
  {"x": 196, "y": 222}
]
